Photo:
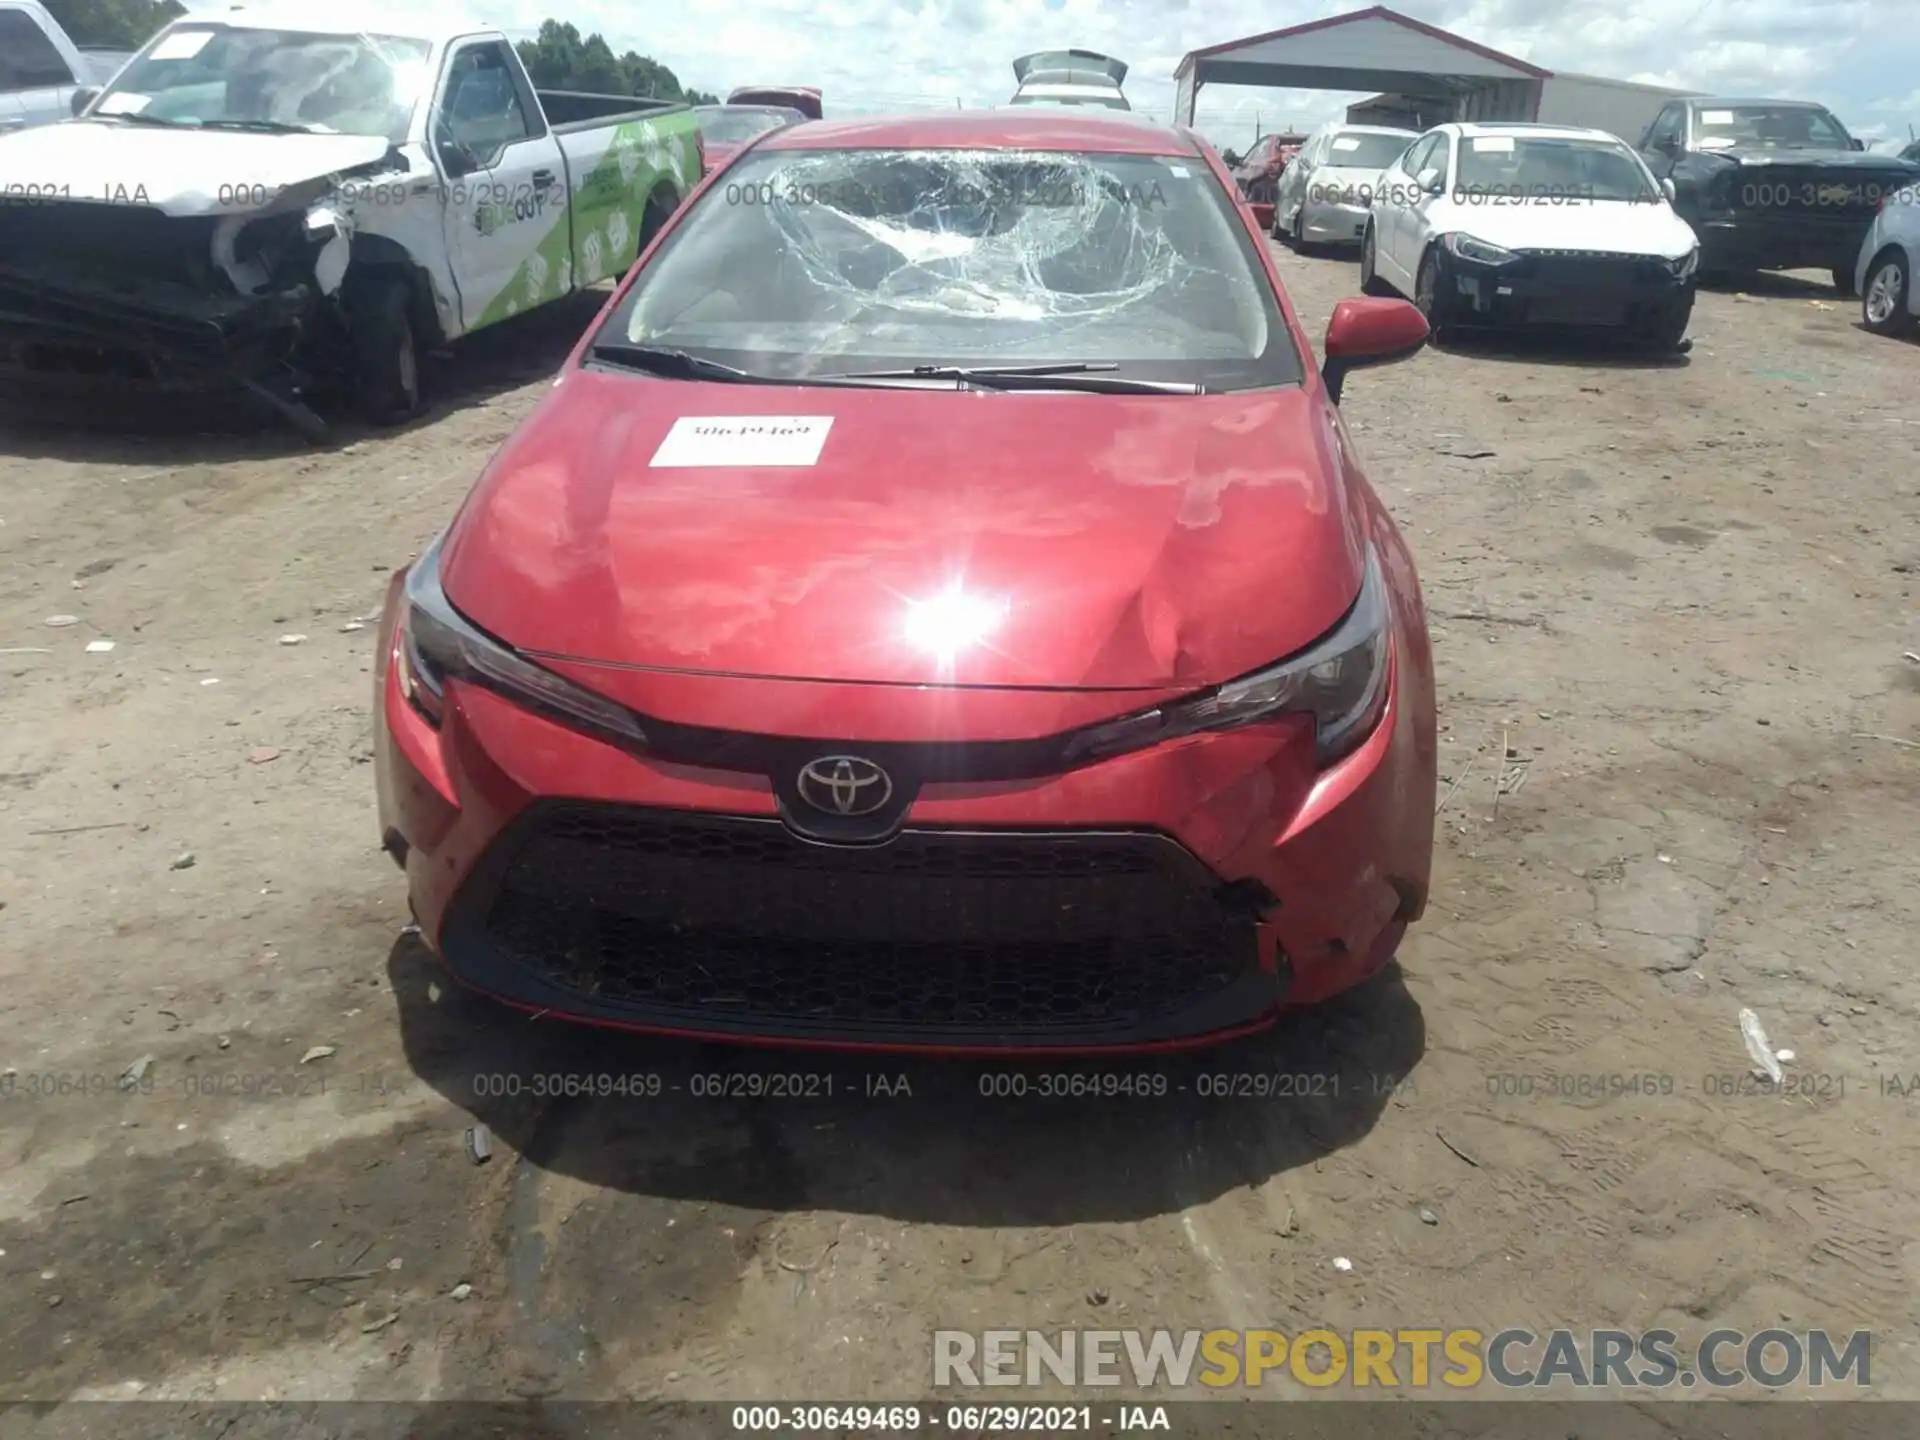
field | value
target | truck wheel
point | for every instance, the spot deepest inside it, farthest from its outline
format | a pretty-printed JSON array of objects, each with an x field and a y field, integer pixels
[
  {"x": 1886, "y": 306},
  {"x": 1843, "y": 280},
  {"x": 386, "y": 353}
]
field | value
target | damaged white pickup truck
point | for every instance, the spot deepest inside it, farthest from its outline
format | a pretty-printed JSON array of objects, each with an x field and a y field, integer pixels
[{"x": 282, "y": 200}]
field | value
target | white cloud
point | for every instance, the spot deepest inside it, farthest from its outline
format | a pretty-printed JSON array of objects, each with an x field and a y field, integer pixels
[{"x": 872, "y": 56}]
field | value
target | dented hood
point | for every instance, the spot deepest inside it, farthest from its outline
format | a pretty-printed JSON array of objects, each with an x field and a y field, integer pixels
[
  {"x": 182, "y": 172},
  {"x": 1002, "y": 539}
]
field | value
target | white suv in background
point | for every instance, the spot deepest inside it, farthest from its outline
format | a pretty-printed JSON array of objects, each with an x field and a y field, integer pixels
[
  {"x": 1531, "y": 224},
  {"x": 41, "y": 69}
]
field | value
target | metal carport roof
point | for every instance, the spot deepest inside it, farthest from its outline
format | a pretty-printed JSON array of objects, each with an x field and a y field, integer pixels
[{"x": 1372, "y": 49}]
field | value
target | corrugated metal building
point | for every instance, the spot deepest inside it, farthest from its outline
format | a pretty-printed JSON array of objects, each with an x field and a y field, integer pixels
[{"x": 1426, "y": 76}]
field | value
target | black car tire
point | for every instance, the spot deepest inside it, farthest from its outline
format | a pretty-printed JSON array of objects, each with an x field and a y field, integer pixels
[
  {"x": 386, "y": 350},
  {"x": 1890, "y": 266},
  {"x": 1843, "y": 281},
  {"x": 1430, "y": 296},
  {"x": 1370, "y": 281},
  {"x": 1666, "y": 329}
]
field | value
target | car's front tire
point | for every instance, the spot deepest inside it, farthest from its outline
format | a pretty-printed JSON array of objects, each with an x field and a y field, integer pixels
[
  {"x": 1666, "y": 329},
  {"x": 1430, "y": 296},
  {"x": 1370, "y": 281},
  {"x": 1886, "y": 304},
  {"x": 386, "y": 350}
]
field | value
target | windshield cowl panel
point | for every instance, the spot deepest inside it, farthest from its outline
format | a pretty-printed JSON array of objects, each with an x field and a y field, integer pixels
[{"x": 827, "y": 262}]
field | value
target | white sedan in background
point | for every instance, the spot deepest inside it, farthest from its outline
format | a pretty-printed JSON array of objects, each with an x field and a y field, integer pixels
[
  {"x": 1323, "y": 196},
  {"x": 1516, "y": 224},
  {"x": 1889, "y": 302}
]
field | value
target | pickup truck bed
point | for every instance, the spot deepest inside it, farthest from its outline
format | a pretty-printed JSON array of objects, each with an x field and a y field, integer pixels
[{"x": 569, "y": 110}]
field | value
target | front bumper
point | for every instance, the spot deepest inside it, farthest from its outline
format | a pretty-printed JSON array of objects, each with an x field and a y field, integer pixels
[
  {"x": 1333, "y": 222},
  {"x": 1789, "y": 241},
  {"x": 1552, "y": 289},
  {"x": 1172, "y": 898},
  {"x": 56, "y": 327}
]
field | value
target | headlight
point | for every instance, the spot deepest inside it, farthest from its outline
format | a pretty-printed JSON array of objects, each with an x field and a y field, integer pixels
[
  {"x": 438, "y": 643},
  {"x": 1686, "y": 264},
  {"x": 1341, "y": 680},
  {"x": 1479, "y": 251}
]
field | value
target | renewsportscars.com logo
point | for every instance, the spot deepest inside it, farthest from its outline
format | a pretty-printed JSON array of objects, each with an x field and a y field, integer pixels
[{"x": 1402, "y": 1359}]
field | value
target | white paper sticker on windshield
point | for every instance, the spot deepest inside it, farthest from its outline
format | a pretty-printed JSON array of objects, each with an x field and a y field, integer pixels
[
  {"x": 1346, "y": 142},
  {"x": 1179, "y": 172},
  {"x": 183, "y": 46},
  {"x": 704, "y": 441},
  {"x": 1493, "y": 144},
  {"x": 1716, "y": 117},
  {"x": 124, "y": 102},
  {"x": 1714, "y": 142}
]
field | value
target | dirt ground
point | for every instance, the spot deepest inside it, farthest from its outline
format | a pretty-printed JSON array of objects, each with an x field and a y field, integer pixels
[{"x": 1671, "y": 602}]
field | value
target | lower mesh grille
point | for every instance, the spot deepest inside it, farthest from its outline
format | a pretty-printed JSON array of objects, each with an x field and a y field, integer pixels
[{"x": 738, "y": 919}]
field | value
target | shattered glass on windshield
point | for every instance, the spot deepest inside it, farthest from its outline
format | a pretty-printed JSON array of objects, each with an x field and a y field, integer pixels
[
  {"x": 337, "y": 84},
  {"x": 811, "y": 258}
]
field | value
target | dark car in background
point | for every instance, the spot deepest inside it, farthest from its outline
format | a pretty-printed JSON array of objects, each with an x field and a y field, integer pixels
[
  {"x": 725, "y": 128},
  {"x": 1771, "y": 184},
  {"x": 1258, "y": 174},
  {"x": 804, "y": 98}
]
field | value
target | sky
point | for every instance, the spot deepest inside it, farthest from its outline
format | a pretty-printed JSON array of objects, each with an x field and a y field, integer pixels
[{"x": 1859, "y": 57}]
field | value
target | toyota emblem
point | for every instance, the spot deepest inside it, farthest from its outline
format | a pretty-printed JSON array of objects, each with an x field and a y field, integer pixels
[{"x": 844, "y": 785}]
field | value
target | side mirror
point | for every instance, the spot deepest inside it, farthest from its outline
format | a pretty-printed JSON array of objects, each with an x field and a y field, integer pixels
[
  {"x": 456, "y": 159},
  {"x": 1430, "y": 181},
  {"x": 1856, "y": 143},
  {"x": 83, "y": 97},
  {"x": 1369, "y": 332},
  {"x": 1666, "y": 188}
]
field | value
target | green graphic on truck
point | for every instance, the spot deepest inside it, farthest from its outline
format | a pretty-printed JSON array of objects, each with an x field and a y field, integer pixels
[{"x": 599, "y": 234}]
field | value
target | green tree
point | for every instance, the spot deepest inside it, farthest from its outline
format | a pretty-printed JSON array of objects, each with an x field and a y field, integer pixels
[
  {"x": 558, "y": 59},
  {"x": 113, "y": 24}
]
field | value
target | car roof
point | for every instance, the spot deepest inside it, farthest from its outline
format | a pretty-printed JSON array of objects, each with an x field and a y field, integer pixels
[
  {"x": 753, "y": 109},
  {"x": 1716, "y": 102},
  {"x": 430, "y": 21},
  {"x": 1519, "y": 128},
  {"x": 1340, "y": 127},
  {"x": 1102, "y": 131}
]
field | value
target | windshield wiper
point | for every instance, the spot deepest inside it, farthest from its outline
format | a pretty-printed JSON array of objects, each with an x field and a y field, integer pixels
[
  {"x": 264, "y": 127},
  {"x": 134, "y": 117},
  {"x": 660, "y": 360},
  {"x": 1071, "y": 376}
]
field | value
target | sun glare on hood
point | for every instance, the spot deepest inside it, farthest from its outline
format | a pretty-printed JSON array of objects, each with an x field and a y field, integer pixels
[{"x": 953, "y": 621}]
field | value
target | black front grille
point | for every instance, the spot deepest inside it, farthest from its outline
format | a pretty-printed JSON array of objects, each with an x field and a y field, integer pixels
[
  {"x": 739, "y": 920},
  {"x": 1591, "y": 268},
  {"x": 118, "y": 242}
]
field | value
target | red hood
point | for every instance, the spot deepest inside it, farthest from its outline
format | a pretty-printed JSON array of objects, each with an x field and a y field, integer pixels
[{"x": 1118, "y": 541}]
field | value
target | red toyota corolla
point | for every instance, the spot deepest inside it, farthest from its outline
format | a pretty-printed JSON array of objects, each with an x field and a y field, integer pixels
[{"x": 938, "y": 605}]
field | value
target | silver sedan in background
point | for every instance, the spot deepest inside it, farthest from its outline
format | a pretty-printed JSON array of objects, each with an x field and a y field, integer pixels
[{"x": 1323, "y": 196}]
